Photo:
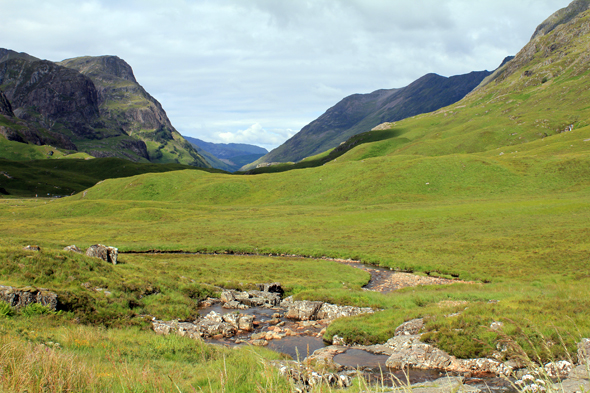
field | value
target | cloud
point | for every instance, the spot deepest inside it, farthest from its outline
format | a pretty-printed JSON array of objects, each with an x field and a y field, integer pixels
[
  {"x": 220, "y": 67},
  {"x": 265, "y": 138}
]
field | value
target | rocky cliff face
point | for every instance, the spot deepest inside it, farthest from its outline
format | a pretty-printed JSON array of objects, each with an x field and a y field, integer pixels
[
  {"x": 561, "y": 17},
  {"x": 91, "y": 104},
  {"x": 361, "y": 112},
  {"x": 5, "y": 107},
  {"x": 125, "y": 104},
  {"x": 45, "y": 92}
]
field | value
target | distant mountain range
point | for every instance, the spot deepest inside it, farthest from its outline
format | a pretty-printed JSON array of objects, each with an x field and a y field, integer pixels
[
  {"x": 227, "y": 156},
  {"x": 87, "y": 104},
  {"x": 361, "y": 112}
]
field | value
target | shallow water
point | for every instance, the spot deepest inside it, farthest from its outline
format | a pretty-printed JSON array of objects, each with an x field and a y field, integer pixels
[{"x": 298, "y": 347}]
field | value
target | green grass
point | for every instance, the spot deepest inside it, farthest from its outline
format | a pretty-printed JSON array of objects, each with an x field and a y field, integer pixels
[
  {"x": 48, "y": 178},
  {"x": 64, "y": 356}
]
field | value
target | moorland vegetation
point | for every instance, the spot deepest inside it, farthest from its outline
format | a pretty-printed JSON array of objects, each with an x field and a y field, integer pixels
[{"x": 493, "y": 189}]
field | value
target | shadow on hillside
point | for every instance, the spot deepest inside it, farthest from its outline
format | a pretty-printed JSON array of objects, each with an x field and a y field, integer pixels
[{"x": 357, "y": 140}]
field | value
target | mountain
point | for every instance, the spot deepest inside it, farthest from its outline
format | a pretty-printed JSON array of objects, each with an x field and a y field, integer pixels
[
  {"x": 88, "y": 104},
  {"x": 361, "y": 112},
  {"x": 228, "y": 156}
]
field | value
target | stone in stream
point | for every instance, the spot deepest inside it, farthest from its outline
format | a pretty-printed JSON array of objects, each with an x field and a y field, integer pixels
[
  {"x": 303, "y": 310},
  {"x": 235, "y": 299}
]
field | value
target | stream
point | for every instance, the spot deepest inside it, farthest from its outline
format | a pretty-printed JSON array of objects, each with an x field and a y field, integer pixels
[{"x": 305, "y": 337}]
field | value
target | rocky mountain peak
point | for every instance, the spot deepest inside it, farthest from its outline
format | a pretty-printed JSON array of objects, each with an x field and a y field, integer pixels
[
  {"x": 561, "y": 17},
  {"x": 103, "y": 67}
]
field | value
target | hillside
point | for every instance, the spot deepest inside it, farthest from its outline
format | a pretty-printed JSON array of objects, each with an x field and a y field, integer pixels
[
  {"x": 228, "y": 156},
  {"x": 361, "y": 112},
  {"x": 90, "y": 104}
]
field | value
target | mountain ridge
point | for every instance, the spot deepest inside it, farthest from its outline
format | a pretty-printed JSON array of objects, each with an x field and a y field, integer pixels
[
  {"x": 89, "y": 104},
  {"x": 358, "y": 113}
]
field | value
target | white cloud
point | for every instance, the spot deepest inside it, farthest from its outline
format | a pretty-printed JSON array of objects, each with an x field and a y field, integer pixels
[
  {"x": 219, "y": 67},
  {"x": 264, "y": 138}
]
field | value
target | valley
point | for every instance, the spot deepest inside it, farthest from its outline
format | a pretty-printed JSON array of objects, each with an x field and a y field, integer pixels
[{"x": 485, "y": 203}]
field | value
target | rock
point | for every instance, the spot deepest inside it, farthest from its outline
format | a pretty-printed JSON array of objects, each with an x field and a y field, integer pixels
[
  {"x": 572, "y": 386},
  {"x": 580, "y": 372},
  {"x": 287, "y": 301},
  {"x": 246, "y": 322},
  {"x": 73, "y": 248},
  {"x": 260, "y": 343},
  {"x": 303, "y": 310},
  {"x": 497, "y": 325},
  {"x": 106, "y": 253},
  {"x": 337, "y": 340},
  {"x": 32, "y": 248},
  {"x": 232, "y": 305},
  {"x": 560, "y": 369},
  {"x": 258, "y": 336},
  {"x": 410, "y": 328},
  {"x": 210, "y": 328},
  {"x": 306, "y": 379},
  {"x": 274, "y": 287},
  {"x": 441, "y": 385},
  {"x": 409, "y": 351},
  {"x": 239, "y": 321},
  {"x": 332, "y": 311},
  {"x": 19, "y": 298},
  {"x": 584, "y": 351},
  {"x": 419, "y": 355},
  {"x": 183, "y": 329},
  {"x": 227, "y": 296},
  {"x": 214, "y": 317},
  {"x": 235, "y": 299}
]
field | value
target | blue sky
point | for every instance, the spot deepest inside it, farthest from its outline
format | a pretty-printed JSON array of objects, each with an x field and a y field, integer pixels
[{"x": 257, "y": 71}]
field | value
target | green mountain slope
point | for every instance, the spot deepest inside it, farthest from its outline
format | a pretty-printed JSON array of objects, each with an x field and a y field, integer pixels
[
  {"x": 59, "y": 178},
  {"x": 361, "y": 112},
  {"x": 90, "y": 104}
]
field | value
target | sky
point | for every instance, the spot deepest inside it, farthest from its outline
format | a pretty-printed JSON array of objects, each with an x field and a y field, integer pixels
[{"x": 257, "y": 71}]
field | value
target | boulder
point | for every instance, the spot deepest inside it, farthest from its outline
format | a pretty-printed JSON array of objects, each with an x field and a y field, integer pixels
[
  {"x": 560, "y": 369},
  {"x": 332, "y": 311},
  {"x": 32, "y": 248},
  {"x": 303, "y": 310},
  {"x": 410, "y": 328},
  {"x": 584, "y": 351},
  {"x": 19, "y": 298},
  {"x": 233, "y": 299},
  {"x": 210, "y": 329},
  {"x": 183, "y": 329},
  {"x": 274, "y": 287},
  {"x": 74, "y": 248},
  {"x": 106, "y": 253}
]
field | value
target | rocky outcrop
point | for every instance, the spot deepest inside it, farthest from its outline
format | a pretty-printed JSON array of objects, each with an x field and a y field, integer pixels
[
  {"x": 410, "y": 352},
  {"x": 242, "y": 300},
  {"x": 32, "y": 248},
  {"x": 19, "y": 298},
  {"x": 305, "y": 310},
  {"x": 74, "y": 248},
  {"x": 410, "y": 328},
  {"x": 332, "y": 311},
  {"x": 305, "y": 378},
  {"x": 5, "y": 107},
  {"x": 213, "y": 325},
  {"x": 106, "y": 253}
]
